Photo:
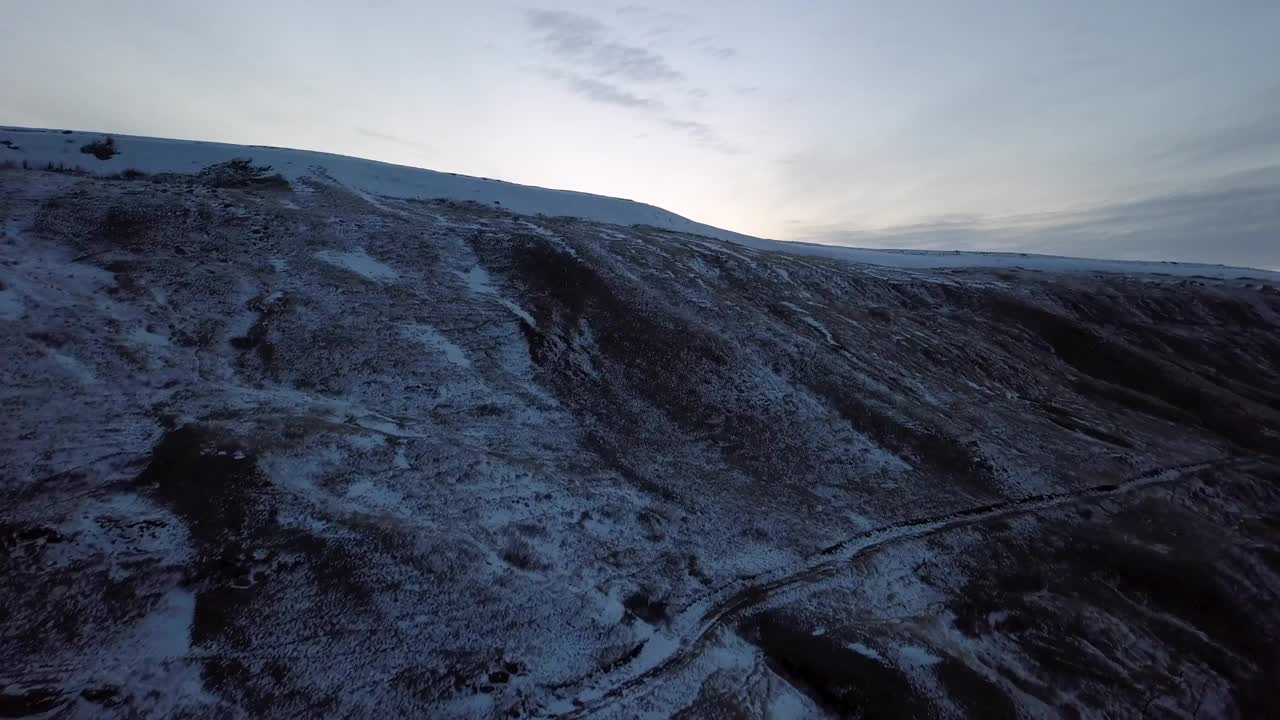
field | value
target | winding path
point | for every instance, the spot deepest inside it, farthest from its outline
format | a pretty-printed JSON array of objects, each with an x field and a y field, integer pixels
[{"x": 690, "y": 630}]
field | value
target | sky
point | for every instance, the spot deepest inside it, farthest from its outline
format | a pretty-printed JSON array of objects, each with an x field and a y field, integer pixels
[{"x": 1132, "y": 129}]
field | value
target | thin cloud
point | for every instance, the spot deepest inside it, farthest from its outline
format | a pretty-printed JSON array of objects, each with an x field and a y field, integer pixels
[
  {"x": 581, "y": 40},
  {"x": 588, "y": 62},
  {"x": 665, "y": 26},
  {"x": 655, "y": 22},
  {"x": 1233, "y": 221},
  {"x": 703, "y": 134},
  {"x": 1245, "y": 140},
  {"x": 707, "y": 45},
  {"x": 601, "y": 91},
  {"x": 1254, "y": 137},
  {"x": 394, "y": 139}
]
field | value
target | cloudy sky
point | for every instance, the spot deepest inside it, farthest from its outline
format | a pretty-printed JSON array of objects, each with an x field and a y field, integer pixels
[{"x": 1124, "y": 128}]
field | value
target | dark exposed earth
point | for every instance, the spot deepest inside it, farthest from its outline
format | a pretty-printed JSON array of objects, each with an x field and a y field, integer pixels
[{"x": 284, "y": 449}]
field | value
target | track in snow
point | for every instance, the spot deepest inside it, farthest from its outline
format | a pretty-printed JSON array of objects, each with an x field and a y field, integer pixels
[{"x": 694, "y": 625}]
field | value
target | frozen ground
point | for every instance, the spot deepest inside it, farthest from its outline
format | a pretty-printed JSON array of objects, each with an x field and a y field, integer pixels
[{"x": 329, "y": 447}]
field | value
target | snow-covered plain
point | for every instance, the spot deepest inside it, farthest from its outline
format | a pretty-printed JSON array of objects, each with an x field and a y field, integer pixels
[
  {"x": 333, "y": 449},
  {"x": 154, "y": 155}
]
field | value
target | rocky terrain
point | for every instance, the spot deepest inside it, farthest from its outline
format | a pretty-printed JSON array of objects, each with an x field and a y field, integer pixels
[{"x": 280, "y": 446}]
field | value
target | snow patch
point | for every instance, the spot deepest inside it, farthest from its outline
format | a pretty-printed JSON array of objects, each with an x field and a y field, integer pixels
[
  {"x": 145, "y": 338},
  {"x": 360, "y": 263},
  {"x": 369, "y": 493},
  {"x": 478, "y": 280},
  {"x": 865, "y": 651},
  {"x": 431, "y": 338},
  {"x": 75, "y": 368},
  {"x": 166, "y": 631},
  {"x": 820, "y": 328},
  {"x": 518, "y": 312},
  {"x": 787, "y": 706},
  {"x": 916, "y": 656}
]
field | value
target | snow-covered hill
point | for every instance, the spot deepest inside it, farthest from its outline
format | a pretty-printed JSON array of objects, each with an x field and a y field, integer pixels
[
  {"x": 324, "y": 446},
  {"x": 40, "y": 147}
]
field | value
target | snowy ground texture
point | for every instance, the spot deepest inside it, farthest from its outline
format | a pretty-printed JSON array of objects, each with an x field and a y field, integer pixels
[{"x": 343, "y": 443}]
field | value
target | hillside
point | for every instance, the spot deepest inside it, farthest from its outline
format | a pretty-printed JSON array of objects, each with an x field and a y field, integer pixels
[
  {"x": 342, "y": 443},
  {"x": 371, "y": 179}
]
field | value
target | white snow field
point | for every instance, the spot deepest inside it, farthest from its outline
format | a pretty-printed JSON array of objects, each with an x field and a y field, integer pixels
[{"x": 155, "y": 155}]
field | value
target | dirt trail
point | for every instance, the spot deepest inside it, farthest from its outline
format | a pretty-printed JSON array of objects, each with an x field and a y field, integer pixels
[{"x": 694, "y": 626}]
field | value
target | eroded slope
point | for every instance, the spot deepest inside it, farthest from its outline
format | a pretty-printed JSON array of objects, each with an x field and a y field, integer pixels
[{"x": 299, "y": 450}]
